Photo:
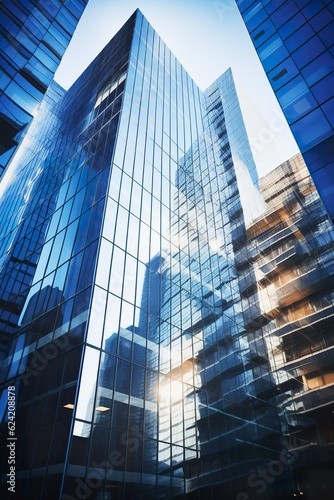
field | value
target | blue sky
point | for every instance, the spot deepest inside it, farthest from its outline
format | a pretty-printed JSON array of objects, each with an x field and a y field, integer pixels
[{"x": 207, "y": 37}]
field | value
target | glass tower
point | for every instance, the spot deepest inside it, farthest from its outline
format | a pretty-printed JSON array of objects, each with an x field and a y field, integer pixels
[
  {"x": 134, "y": 326},
  {"x": 34, "y": 37},
  {"x": 294, "y": 41}
]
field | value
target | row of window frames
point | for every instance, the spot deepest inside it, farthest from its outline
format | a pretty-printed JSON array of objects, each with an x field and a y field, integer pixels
[
  {"x": 145, "y": 455},
  {"x": 147, "y": 98},
  {"x": 136, "y": 164},
  {"x": 151, "y": 143},
  {"x": 71, "y": 239},
  {"x": 135, "y": 353},
  {"x": 143, "y": 205},
  {"x": 35, "y": 24},
  {"x": 133, "y": 249},
  {"x": 36, "y": 218},
  {"x": 136, "y": 129},
  {"x": 167, "y": 64},
  {"x": 146, "y": 72},
  {"x": 52, "y": 46},
  {"x": 144, "y": 382},
  {"x": 108, "y": 364},
  {"x": 201, "y": 260},
  {"x": 122, "y": 272},
  {"x": 162, "y": 75},
  {"x": 84, "y": 174},
  {"x": 317, "y": 94},
  {"x": 67, "y": 215},
  {"x": 125, "y": 196},
  {"x": 39, "y": 68},
  {"x": 128, "y": 378},
  {"x": 147, "y": 112},
  {"x": 124, "y": 275},
  {"x": 156, "y": 190},
  {"x": 287, "y": 18},
  {"x": 314, "y": 70},
  {"x": 48, "y": 51},
  {"x": 47, "y": 11},
  {"x": 145, "y": 129}
]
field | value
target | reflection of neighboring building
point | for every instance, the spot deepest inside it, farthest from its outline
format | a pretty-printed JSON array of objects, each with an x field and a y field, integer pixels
[
  {"x": 51, "y": 207},
  {"x": 292, "y": 251},
  {"x": 24, "y": 221},
  {"x": 157, "y": 377},
  {"x": 236, "y": 430},
  {"x": 47, "y": 299}
]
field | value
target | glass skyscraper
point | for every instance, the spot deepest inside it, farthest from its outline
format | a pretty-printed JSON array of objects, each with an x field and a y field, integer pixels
[
  {"x": 34, "y": 37},
  {"x": 294, "y": 40},
  {"x": 136, "y": 325}
]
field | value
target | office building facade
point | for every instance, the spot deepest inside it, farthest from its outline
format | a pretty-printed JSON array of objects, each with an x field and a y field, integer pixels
[
  {"x": 34, "y": 37},
  {"x": 294, "y": 40},
  {"x": 131, "y": 325},
  {"x": 291, "y": 248}
]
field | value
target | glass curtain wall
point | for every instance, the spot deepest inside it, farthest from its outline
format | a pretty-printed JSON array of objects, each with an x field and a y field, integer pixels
[
  {"x": 53, "y": 202},
  {"x": 294, "y": 41},
  {"x": 34, "y": 37},
  {"x": 137, "y": 327}
]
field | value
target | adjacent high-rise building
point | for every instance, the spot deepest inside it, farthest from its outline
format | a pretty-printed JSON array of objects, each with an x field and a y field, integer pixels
[
  {"x": 136, "y": 330},
  {"x": 34, "y": 37},
  {"x": 294, "y": 40},
  {"x": 291, "y": 250}
]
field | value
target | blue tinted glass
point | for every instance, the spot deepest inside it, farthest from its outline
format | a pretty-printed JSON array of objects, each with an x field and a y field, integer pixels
[
  {"x": 292, "y": 25},
  {"x": 7, "y": 105},
  {"x": 282, "y": 73},
  {"x": 65, "y": 22},
  {"x": 321, "y": 19},
  {"x": 283, "y": 13},
  {"x": 271, "y": 6},
  {"x": 46, "y": 59},
  {"x": 272, "y": 52},
  {"x": 308, "y": 51},
  {"x": 263, "y": 32},
  {"x": 54, "y": 44},
  {"x": 326, "y": 34},
  {"x": 311, "y": 129},
  {"x": 9, "y": 25},
  {"x": 257, "y": 19},
  {"x": 311, "y": 9},
  {"x": 328, "y": 109},
  {"x": 299, "y": 37},
  {"x": 324, "y": 180},
  {"x": 244, "y": 4},
  {"x": 323, "y": 90},
  {"x": 28, "y": 87},
  {"x": 319, "y": 68},
  {"x": 59, "y": 34},
  {"x": 40, "y": 70},
  {"x": 27, "y": 43},
  {"x": 254, "y": 9}
]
